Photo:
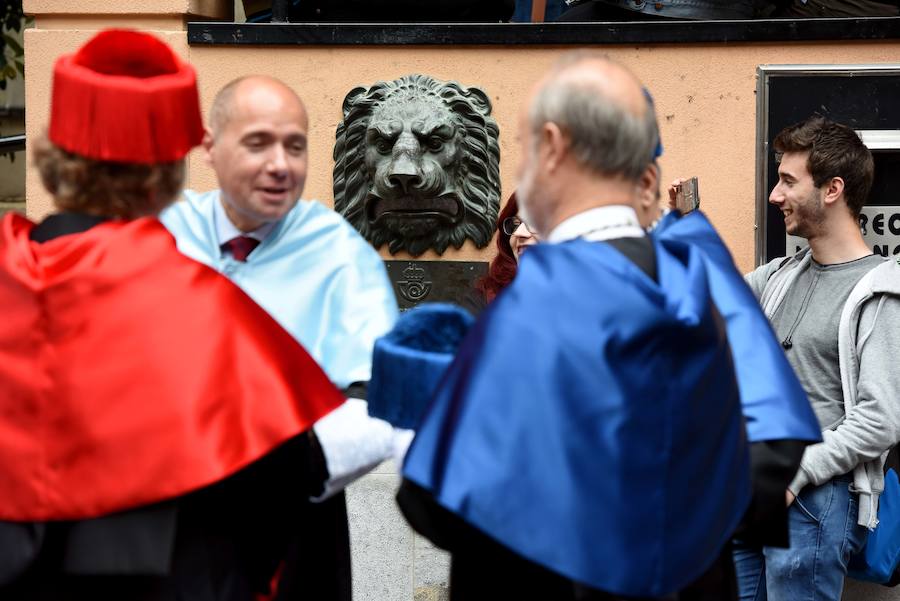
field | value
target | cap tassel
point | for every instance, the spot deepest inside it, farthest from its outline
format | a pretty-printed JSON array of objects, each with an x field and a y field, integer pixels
[{"x": 125, "y": 97}]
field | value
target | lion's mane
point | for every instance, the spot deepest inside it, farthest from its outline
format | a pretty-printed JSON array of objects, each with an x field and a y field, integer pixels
[{"x": 478, "y": 177}]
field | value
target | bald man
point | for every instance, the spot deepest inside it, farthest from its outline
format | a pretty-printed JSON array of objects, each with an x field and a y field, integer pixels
[
  {"x": 315, "y": 275},
  {"x": 587, "y": 443}
]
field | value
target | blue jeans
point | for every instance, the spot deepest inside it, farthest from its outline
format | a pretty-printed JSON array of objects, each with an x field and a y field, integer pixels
[{"x": 823, "y": 534}]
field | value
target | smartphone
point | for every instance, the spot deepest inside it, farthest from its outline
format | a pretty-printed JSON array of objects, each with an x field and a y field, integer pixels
[{"x": 687, "y": 196}]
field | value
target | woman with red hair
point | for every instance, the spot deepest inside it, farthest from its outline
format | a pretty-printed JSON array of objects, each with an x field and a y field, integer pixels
[{"x": 513, "y": 237}]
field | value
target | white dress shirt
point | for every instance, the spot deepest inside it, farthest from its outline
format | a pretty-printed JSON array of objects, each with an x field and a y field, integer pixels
[
  {"x": 597, "y": 224},
  {"x": 226, "y": 231}
]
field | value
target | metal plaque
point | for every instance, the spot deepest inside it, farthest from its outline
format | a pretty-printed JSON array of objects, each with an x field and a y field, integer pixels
[{"x": 437, "y": 281}]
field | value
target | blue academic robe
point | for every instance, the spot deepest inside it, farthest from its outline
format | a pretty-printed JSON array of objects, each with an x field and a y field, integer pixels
[
  {"x": 591, "y": 421},
  {"x": 775, "y": 405},
  {"x": 313, "y": 273}
]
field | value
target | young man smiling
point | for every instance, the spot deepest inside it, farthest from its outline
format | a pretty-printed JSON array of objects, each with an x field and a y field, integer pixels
[{"x": 835, "y": 307}]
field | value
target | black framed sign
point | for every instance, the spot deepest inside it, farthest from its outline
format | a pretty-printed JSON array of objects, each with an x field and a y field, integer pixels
[{"x": 865, "y": 97}]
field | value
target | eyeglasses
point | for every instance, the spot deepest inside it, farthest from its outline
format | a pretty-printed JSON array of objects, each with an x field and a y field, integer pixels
[{"x": 511, "y": 224}]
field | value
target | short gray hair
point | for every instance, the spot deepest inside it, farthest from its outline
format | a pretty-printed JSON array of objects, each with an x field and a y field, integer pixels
[{"x": 605, "y": 137}]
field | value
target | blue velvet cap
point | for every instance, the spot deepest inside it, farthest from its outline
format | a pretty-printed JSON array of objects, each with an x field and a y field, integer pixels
[{"x": 409, "y": 361}]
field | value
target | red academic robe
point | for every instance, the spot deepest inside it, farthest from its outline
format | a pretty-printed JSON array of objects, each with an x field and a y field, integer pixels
[{"x": 130, "y": 374}]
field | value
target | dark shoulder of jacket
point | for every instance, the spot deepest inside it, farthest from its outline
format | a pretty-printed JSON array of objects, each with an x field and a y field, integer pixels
[{"x": 639, "y": 251}]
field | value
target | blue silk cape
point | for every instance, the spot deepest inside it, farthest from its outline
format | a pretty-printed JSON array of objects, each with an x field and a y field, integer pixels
[
  {"x": 775, "y": 404},
  {"x": 591, "y": 421},
  {"x": 313, "y": 273}
]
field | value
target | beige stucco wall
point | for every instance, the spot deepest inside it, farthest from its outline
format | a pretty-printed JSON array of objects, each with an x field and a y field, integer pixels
[
  {"x": 705, "y": 98},
  {"x": 218, "y": 9}
]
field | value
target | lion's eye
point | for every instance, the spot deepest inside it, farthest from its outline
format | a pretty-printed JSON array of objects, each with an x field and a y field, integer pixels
[
  {"x": 435, "y": 144},
  {"x": 383, "y": 146}
]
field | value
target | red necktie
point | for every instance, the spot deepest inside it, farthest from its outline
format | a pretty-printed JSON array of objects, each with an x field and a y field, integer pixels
[{"x": 241, "y": 247}]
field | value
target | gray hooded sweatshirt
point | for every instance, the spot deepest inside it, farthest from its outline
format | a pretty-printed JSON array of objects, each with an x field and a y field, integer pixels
[{"x": 868, "y": 337}]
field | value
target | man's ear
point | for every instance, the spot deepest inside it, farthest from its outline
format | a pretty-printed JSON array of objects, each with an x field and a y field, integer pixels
[
  {"x": 554, "y": 146},
  {"x": 648, "y": 186},
  {"x": 647, "y": 197},
  {"x": 207, "y": 143},
  {"x": 832, "y": 190}
]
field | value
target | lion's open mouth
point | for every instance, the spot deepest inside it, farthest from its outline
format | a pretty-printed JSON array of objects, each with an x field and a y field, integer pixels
[{"x": 446, "y": 207}]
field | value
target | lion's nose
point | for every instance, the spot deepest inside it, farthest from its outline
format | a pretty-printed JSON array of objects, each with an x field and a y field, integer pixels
[
  {"x": 404, "y": 175},
  {"x": 405, "y": 181}
]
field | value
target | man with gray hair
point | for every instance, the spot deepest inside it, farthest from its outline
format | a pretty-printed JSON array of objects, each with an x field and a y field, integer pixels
[{"x": 561, "y": 469}]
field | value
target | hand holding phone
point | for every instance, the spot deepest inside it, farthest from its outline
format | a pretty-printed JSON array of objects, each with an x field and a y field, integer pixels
[{"x": 686, "y": 195}]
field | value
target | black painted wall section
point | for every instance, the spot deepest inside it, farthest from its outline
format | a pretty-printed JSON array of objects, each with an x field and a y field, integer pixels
[{"x": 537, "y": 34}]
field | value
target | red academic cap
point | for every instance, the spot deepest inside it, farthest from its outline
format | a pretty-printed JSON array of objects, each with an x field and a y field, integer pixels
[{"x": 125, "y": 97}]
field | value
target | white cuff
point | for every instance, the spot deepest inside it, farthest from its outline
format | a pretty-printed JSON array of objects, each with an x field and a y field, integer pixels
[
  {"x": 402, "y": 439},
  {"x": 353, "y": 443}
]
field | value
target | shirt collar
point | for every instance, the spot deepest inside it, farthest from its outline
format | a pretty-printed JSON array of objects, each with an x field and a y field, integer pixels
[
  {"x": 600, "y": 223},
  {"x": 225, "y": 230}
]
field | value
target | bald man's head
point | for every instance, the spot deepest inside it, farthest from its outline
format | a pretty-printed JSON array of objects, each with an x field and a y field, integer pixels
[
  {"x": 257, "y": 145},
  {"x": 602, "y": 108},
  {"x": 225, "y": 103}
]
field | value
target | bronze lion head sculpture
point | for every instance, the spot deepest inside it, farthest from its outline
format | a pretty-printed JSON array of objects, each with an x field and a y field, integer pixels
[{"x": 417, "y": 164}]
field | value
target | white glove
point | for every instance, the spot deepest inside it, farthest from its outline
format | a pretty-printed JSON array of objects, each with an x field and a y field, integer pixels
[
  {"x": 353, "y": 444},
  {"x": 402, "y": 439}
]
